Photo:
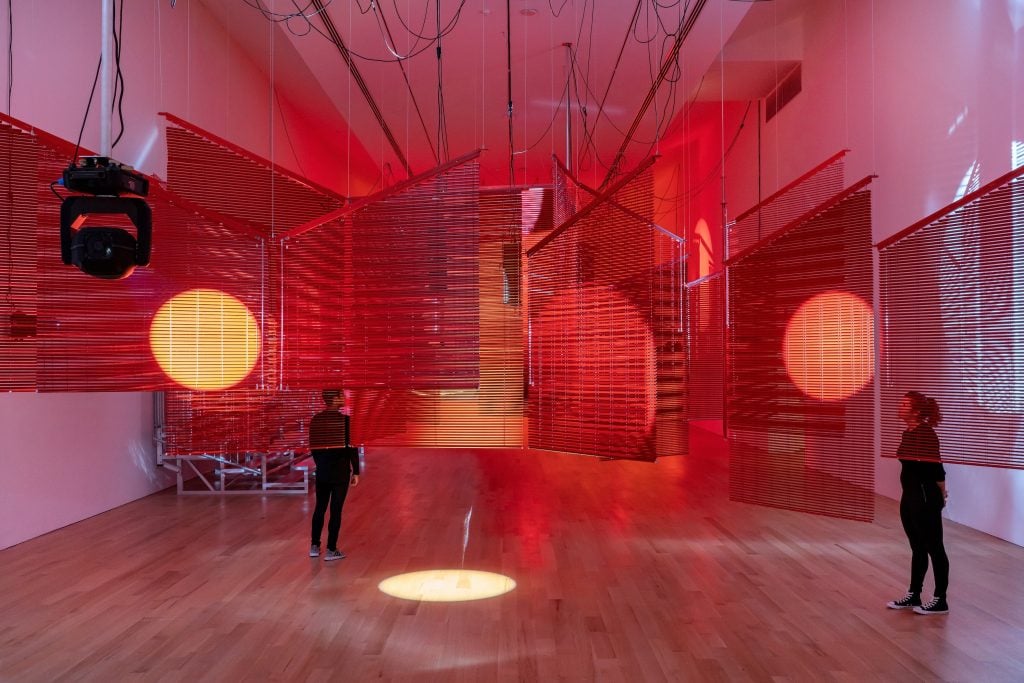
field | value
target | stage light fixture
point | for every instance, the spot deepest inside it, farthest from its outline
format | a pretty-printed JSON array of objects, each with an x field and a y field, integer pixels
[{"x": 105, "y": 252}]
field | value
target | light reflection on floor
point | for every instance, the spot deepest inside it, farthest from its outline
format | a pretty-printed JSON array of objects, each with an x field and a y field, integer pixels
[{"x": 447, "y": 585}]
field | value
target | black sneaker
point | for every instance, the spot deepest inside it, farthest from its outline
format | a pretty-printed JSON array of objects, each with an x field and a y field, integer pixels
[
  {"x": 936, "y": 606},
  {"x": 907, "y": 601}
]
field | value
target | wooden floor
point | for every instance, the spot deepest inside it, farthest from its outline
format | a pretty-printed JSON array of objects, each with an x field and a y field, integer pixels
[{"x": 626, "y": 572}]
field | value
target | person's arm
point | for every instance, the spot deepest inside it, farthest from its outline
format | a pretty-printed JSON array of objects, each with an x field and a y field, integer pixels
[
  {"x": 353, "y": 456},
  {"x": 939, "y": 470},
  {"x": 353, "y": 453}
]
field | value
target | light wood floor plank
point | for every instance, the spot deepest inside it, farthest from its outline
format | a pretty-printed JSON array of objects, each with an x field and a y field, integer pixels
[{"x": 625, "y": 571}]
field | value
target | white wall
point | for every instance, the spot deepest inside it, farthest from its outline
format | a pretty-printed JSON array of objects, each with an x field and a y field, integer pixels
[
  {"x": 65, "y": 457},
  {"x": 919, "y": 91}
]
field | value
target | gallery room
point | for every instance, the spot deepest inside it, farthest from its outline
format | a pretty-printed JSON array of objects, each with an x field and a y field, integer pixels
[{"x": 525, "y": 340}]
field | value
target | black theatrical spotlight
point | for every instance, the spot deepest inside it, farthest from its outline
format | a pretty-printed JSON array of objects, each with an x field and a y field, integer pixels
[
  {"x": 105, "y": 252},
  {"x": 100, "y": 251}
]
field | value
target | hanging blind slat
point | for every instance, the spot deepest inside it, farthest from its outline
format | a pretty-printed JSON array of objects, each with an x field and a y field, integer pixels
[
  {"x": 88, "y": 334},
  {"x": 706, "y": 321},
  {"x": 797, "y": 197},
  {"x": 19, "y": 312},
  {"x": 800, "y": 368},
  {"x": 607, "y": 353},
  {"x": 952, "y": 305}
]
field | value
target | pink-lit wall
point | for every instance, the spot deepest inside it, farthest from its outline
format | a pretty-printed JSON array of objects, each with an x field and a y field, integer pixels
[
  {"x": 182, "y": 61},
  {"x": 66, "y": 457}
]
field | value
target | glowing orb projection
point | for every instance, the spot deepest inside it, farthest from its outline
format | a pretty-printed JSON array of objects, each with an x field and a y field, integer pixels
[
  {"x": 447, "y": 585},
  {"x": 205, "y": 339},
  {"x": 829, "y": 346}
]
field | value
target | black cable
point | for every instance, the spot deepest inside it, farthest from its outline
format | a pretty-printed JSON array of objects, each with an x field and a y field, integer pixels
[
  {"x": 417, "y": 34},
  {"x": 560, "y": 8},
  {"x": 415, "y": 53},
  {"x": 287, "y": 133},
  {"x": 554, "y": 115},
  {"x": 588, "y": 147},
  {"x": 508, "y": 62},
  {"x": 408, "y": 86},
  {"x": 119, "y": 79},
  {"x": 442, "y": 121},
  {"x": 586, "y": 151},
  {"x": 686, "y": 24},
  {"x": 426, "y": 7},
  {"x": 278, "y": 17},
  {"x": 713, "y": 174},
  {"x": 654, "y": 35},
  {"x": 589, "y": 134},
  {"x": 85, "y": 118}
]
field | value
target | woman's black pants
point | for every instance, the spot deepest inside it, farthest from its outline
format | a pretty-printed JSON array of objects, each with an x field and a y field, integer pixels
[
  {"x": 922, "y": 520},
  {"x": 334, "y": 494}
]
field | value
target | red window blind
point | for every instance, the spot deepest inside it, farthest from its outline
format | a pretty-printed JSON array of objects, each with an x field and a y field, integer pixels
[
  {"x": 706, "y": 322},
  {"x": 566, "y": 193},
  {"x": 787, "y": 204},
  {"x": 606, "y": 330},
  {"x": 800, "y": 368},
  {"x": 230, "y": 180},
  {"x": 952, "y": 306},
  {"x": 237, "y": 422},
  {"x": 19, "y": 312},
  {"x": 409, "y": 302},
  {"x": 89, "y": 334},
  {"x": 490, "y": 415}
]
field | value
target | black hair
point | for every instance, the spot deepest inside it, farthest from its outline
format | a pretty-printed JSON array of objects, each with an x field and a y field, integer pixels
[{"x": 329, "y": 395}]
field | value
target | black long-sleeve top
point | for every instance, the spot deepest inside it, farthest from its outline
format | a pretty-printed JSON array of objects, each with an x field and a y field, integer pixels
[
  {"x": 920, "y": 477},
  {"x": 329, "y": 443}
]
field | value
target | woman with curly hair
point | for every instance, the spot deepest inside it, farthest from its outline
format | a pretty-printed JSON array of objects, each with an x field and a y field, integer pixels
[{"x": 923, "y": 480}]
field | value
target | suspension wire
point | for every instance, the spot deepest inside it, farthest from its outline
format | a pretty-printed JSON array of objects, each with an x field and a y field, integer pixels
[
  {"x": 408, "y": 86},
  {"x": 615, "y": 69},
  {"x": 10, "y": 53},
  {"x": 686, "y": 25},
  {"x": 343, "y": 50},
  {"x": 442, "y": 121},
  {"x": 508, "y": 61}
]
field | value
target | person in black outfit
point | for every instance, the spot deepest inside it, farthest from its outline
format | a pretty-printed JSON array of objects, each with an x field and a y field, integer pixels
[
  {"x": 923, "y": 479},
  {"x": 337, "y": 465}
]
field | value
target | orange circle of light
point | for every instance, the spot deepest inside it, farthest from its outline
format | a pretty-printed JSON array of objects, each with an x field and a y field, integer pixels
[
  {"x": 829, "y": 346},
  {"x": 205, "y": 339}
]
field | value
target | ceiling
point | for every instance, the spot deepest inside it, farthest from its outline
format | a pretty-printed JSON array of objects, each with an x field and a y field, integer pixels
[{"x": 475, "y": 73}]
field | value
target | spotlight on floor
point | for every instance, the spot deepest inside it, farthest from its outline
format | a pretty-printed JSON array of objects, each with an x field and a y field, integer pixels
[{"x": 447, "y": 585}]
